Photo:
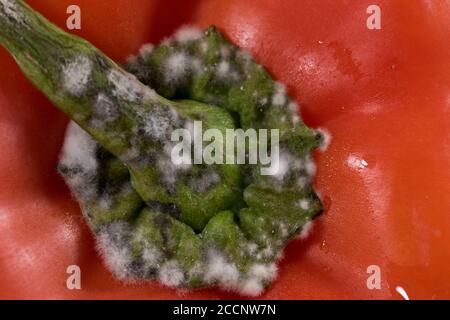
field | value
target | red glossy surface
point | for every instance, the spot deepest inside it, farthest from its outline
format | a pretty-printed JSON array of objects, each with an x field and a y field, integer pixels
[{"x": 383, "y": 94}]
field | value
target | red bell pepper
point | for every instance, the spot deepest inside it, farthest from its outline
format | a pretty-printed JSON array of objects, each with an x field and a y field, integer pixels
[{"x": 384, "y": 95}]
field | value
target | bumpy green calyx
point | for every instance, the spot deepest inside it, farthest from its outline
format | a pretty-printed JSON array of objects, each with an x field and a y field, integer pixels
[{"x": 192, "y": 226}]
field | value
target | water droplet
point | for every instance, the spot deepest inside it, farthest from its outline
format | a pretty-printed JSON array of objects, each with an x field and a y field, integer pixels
[
  {"x": 355, "y": 162},
  {"x": 324, "y": 246}
]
